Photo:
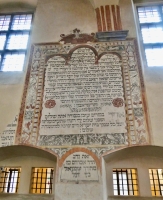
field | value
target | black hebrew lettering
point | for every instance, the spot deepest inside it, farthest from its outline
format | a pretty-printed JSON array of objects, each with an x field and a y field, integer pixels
[
  {"x": 82, "y": 94},
  {"x": 79, "y": 166}
]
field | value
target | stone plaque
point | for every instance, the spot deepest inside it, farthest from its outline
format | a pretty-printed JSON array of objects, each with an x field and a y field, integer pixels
[{"x": 79, "y": 166}]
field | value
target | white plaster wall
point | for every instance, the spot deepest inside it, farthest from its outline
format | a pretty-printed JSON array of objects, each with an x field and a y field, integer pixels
[
  {"x": 53, "y": 18},
  {"x": 127, "y": 17},
  {"x": 26, "y": 163},
  {"x": 154, "y": 88},
  {"x": 10, "y": 99},
  {"x": 81, "y": 191}
]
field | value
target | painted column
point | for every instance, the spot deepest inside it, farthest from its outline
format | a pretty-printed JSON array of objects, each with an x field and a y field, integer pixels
[{"x": 108, "y": 15}]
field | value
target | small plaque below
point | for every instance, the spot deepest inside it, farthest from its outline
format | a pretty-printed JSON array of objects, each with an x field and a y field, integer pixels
[{"x": 79, "y": 167}]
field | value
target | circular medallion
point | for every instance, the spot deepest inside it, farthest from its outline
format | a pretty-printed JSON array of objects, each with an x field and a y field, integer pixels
[
  {"x": 50, "y": 103},
  {"x": 118, "y": 102}
]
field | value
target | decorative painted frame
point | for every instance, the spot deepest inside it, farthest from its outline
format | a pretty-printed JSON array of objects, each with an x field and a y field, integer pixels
[{"x": 135, "y": 103}]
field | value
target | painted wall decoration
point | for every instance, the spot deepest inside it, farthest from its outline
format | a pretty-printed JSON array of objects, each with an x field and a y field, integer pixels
[
  {"x": 108, "y": 18},
  {"x": 89, "y": 94},
  {"x": 83, "y": 97}
]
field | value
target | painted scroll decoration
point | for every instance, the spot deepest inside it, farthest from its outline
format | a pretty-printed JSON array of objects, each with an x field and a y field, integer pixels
[{"x": 87, "y": 95}]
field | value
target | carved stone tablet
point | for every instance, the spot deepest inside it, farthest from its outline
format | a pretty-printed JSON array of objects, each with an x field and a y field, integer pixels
[{"x": 79, "y": 166}]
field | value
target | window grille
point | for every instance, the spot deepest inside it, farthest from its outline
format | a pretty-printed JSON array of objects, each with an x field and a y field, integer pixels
[
  {"x": 151, "y": 25},
  {"x": 42, "y": 180},
  {"x": 9, "y": 180},
  {"x": 125, "y": 182},
  {"x": 14, "y": 34},
  {"x": 156, "y": 181}
]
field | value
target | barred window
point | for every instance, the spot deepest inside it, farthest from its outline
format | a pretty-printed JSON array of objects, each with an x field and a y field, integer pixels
[
  {"x": 9, "y": 180},
  {"x": 151, "y": 25},
  {"x": 156, "y": 181},
  {"x": 125, "y": 182},
  {"x": 42, "y": 180},
  {"x": 14, "y": 34}
]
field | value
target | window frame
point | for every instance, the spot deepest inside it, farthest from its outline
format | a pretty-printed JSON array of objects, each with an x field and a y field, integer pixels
[
  {"x": 34, "y": 180},
  {"x": 6, "y": 185},
  {"x": 152, "y": 178},
  {"x": 139, "y": 34},
  {"x": 9, "y": 32},
  {"x": 119, "y": 171}
]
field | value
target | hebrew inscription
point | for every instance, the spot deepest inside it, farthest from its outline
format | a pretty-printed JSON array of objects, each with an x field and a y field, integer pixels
[
  {"x": 79, "y": 167},
  {"x": 83, "y": 97},
  {"x": 74, "y": 102},
  {"x": 8, "y": 135}
]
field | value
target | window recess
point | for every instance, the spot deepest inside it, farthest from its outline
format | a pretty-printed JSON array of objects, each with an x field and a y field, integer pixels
[
  {"x": 151, "y": 26},
  {"x": 14, "y": 35}
]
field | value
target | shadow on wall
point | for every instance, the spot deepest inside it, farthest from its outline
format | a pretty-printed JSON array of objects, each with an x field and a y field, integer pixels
[{"x": 24, "y": 150}]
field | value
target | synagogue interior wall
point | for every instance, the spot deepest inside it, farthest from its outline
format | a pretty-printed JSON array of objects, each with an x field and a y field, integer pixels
[{"x": 53, "y": 18}]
